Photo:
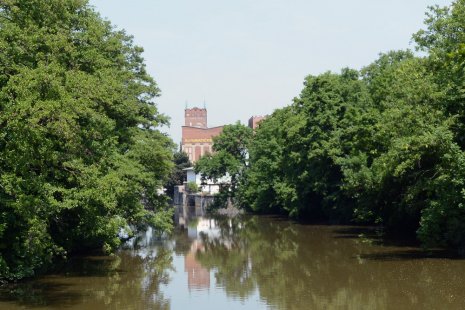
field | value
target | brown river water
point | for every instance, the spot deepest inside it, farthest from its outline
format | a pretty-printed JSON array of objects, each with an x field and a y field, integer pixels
[{"x": 250, "y": 262}]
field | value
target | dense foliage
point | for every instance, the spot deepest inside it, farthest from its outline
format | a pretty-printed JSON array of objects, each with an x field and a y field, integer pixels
[
  {"x": 294, "y": 158},
  {"x": 80, "y": 156},
  {"x": 382, "y": 145},
  {"x": 177, "y": 175},
  {"x": 229, "y": 160}
]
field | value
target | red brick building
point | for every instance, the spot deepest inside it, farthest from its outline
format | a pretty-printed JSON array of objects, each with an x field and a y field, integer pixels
[
  {"x": 197, "y": 138},
  {"x": 255, "y": 120}
]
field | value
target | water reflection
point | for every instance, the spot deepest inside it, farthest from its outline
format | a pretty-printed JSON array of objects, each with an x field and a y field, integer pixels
[
  {"x": 130, "y": 280},
  {"x": 320, "y": 267},
  {"x": 198, "y": 276},
  {"x": 253, "y": 263}
]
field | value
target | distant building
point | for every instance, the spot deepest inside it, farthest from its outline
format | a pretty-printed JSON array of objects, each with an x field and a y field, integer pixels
[
  {"x": 255, "y": 120},
  {"x": 197, "y": 138}
]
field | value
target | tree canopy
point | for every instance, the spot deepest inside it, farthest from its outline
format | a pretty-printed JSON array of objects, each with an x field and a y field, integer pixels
[
  {"x": 230, "y": 157},
  {"x": 81, "y": 158},
  {"x": 382, "y": 145},
  {"x": 177, "y": 176}
]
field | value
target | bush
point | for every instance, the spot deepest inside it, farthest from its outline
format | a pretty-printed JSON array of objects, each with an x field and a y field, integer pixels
[{"x": 192, "y": 187}]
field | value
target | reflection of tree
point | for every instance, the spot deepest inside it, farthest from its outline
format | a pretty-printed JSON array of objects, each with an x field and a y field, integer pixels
[
  {"x": 131, "y": 280},
  {"x": 228, "y": 254},
  {"x": 312, "y": 267},
  {"x": 290, "y": 266},
  {"x": 140, "y": 285},
  {"x": 182, "y": 243}
]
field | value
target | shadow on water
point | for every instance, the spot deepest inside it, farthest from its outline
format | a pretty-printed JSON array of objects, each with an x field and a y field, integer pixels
[
  {"x": 87, "y": 266},
  {"x": 49, "y": 291},
  {"x": 404, "y": 248},
  {"x": 375, "y": 235},
  {"x": 39, "y": 294},
  {"x": 131, "y": 279},
  {"x": 412, "y": 255}
]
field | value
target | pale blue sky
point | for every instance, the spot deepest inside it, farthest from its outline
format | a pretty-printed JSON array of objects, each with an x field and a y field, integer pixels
[{"x": 249, "y": 57}]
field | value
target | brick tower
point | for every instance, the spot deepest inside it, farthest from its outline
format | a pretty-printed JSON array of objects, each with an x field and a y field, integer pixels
[
  {"x": 195, "y": 117},
  {"x": 197, "y": 138}
]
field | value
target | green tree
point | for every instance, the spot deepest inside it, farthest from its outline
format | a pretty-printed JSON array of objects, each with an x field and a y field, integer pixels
[
  {"x": 258, "y": 187},
  {"x": 379, "y": 147},
  {"x": 80, "y": 155},
  {"x": 442, "y": 222},
  {"x": 444, "y": 41},
  {"x": 405, "y": 114},
  {"x": 177, "y": 175},
  {"x": 230, "y": 157},
  {"x": 192, "y": 187},
  {"x": 295, "y": 155}
]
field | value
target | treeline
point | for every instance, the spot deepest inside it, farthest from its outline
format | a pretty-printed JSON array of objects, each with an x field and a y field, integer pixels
[
  {"x": 383, "y": 145},
  {"x": 80, "y": 156}
]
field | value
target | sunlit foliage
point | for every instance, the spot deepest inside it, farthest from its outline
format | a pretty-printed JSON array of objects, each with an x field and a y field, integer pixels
[{"x": 80, "y": 155}]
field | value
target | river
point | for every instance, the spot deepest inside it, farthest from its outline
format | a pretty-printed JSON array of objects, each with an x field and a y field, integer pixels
[{"x": 250, "y": 262}]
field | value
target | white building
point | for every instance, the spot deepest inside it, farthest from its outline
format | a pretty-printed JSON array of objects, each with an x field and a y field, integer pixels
[{"x": 208, "y": 186}]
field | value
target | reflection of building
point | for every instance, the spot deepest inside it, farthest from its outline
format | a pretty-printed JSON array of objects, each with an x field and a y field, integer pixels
[
  {"x": 203, "y": 226},
  {"x": 198, "y": 277},
  {"x": 197, "y": 138}
]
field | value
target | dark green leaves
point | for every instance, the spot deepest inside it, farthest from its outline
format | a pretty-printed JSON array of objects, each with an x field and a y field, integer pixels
[
  {"x": 230, "y": 157},
  {"x": 80, "y": 156},
  {"x": 385, "y": 147}
]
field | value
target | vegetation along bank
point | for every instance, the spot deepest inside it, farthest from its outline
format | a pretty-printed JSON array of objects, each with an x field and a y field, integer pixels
[
  {"x": 81, "y": 157},
  {"x": 381, "y": 145}
]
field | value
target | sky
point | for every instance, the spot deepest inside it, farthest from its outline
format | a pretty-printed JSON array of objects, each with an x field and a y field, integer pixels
[{"x": 250, "y": 57}]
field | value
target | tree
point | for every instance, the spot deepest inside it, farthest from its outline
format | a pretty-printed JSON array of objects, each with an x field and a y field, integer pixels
[
  {"x": 379, "y": 147},
  {"x": 444, "y": 41},
  {"x": 295, "y": 155},
  {"x": 192, "y": 187},
  {"x": 80, "y": 155},
  {"x": 442, "y": 222},
  {"x": 384, "y": 145},
  {"x": 258, "y": 187},
  {"x": 230, "y": 157},
  {"x": 234, "y": 140},
  {"x": 177, "y": 175}
]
